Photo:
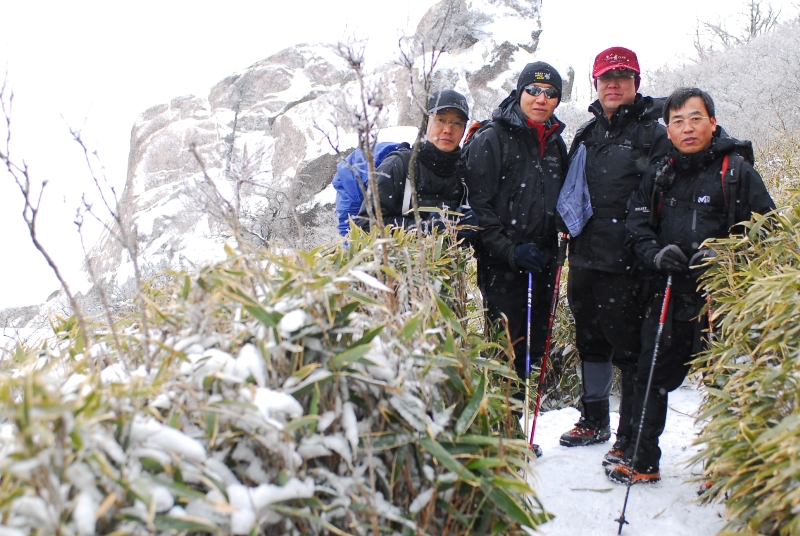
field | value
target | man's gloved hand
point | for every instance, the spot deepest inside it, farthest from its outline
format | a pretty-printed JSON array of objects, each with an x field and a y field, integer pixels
[
  {"x": 435, "y": 222},
  {"x": 699, "y": 258},
  {"x": 671, "y": 259},
  {"x": 529, "y": 258},
  {"x": 468, "y": 219}
]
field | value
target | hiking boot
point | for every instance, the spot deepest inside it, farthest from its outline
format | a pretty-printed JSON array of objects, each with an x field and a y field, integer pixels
[
  {"x": 614, "y": 456},
  {"x": 584, "y": 434},
  {"x": 622, "y": 474}
]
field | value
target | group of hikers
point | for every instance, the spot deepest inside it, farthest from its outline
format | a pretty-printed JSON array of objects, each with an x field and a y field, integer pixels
[{"x": 638, "y": 199}]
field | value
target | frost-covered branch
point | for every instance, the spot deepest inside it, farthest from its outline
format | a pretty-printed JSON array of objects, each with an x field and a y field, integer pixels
[
  {"x": 32, "y": 202},
  {"x": 118, "y": 230}
]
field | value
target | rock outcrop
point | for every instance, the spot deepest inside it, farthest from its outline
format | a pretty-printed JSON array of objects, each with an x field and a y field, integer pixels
[{"x": 255, "y": 153}]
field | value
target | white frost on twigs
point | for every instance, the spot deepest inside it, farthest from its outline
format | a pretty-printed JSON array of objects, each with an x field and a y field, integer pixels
[{"x": 412, "y": 410}]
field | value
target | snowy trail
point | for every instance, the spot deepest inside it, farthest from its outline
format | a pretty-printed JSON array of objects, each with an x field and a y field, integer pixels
[{"x": 572, "y": 485}]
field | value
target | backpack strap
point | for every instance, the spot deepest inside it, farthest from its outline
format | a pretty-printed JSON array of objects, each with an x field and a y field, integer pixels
[
  {"x": 722, "y": 178},
  {"x": 407, "y": 196},
  {"x": 405, "y": 158},
  {"x": 735, "y": 162}
]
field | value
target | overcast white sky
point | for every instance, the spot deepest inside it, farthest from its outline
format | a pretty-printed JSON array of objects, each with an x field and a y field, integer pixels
[{"x": 97, "y": 65}]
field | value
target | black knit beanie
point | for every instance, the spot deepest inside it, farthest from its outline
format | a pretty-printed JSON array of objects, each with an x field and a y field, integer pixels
[{"x": 540, "y": 72}]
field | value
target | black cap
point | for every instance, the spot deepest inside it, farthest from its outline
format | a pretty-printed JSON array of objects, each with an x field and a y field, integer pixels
[
  {"x": 448, "y": 99},
  {"x": 539, "y": 72}
]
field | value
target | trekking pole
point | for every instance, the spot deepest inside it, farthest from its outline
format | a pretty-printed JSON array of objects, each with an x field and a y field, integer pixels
[
  {"x": 711, "y": 334},
  {"x": 661, "y": 321},
  {"x": 560, "y": 258},
  {"x": 528, "y": 357}
]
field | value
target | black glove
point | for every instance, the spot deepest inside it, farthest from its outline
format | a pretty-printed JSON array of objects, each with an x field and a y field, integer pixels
[
  {"x": 435, "y": 222},
  {"x": 671, "y": 259},
  {"x": 698, "y": 259},
  {"x": 468, "y": 219},
  {"x": 529, "y": 258}
]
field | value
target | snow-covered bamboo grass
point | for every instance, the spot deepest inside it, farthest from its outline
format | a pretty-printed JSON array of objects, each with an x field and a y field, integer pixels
[
  {"x": 751, "y": 438},
  {"x": 284, "y": 397}
]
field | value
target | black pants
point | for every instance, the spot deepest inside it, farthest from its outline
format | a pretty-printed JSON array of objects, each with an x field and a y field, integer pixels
[
  {"x": 608, "y": 318},
  {"x": 681, "y": 339},
  {"x": 505, "y": 292}
]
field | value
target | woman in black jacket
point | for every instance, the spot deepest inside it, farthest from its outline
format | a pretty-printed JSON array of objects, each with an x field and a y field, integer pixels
[
  {"x": 515, "y": 168},
  {"x": 438, "y": 183}
]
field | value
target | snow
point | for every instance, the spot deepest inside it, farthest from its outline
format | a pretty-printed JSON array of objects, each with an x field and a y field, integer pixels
[
  {"x": 572, "y": 484},
  {"x": 84, "y": 514},
  {"x": 369, "y": 280},
  {"x": 292, "y": 322},
  {"x": 273, "y": 404},
  {"x": 151, "y": 433},
  {"x": 327, "y": 196}
]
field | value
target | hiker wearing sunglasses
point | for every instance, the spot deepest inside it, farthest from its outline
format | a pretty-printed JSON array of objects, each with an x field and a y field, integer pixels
[
  {"x": 616, "y": 145},
  {"x": 702, "y": 189},
  {"x": 515, "y": 167}
]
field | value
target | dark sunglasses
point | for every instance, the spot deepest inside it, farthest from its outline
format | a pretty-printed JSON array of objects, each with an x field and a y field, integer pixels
[
  {"x": 613, "y": 74},
  {"x": 549, "y": 92}
]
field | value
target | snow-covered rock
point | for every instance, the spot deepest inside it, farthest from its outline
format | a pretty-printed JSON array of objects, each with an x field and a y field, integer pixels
[{"x": 256, "y": 133}]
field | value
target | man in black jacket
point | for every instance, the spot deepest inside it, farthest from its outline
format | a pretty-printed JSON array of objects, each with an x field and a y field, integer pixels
[
  {"x": 438, "y": 183},
  {"x": 515, "y": 167},
  {"x": 700, "y": 190},
  {"x": 621, "y": 140}
]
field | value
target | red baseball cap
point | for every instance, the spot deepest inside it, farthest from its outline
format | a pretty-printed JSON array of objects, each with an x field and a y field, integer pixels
[{"x": 615, "y": 58}]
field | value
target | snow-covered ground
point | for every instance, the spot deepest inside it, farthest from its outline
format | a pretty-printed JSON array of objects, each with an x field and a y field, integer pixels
[{"x": 572, "y": 485}]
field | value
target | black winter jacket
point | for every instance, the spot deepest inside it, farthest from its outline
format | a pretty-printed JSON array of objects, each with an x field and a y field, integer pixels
[
  {"x": 617, "y": 154},
  {"x": 694, "y": 207},
  {"x": 438, "y": 184},
  {"x": 512, "y": 186}
]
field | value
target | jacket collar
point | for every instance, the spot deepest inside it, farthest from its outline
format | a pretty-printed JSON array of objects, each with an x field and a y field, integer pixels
[
  {"x": 642, "y": 108},
  {"x": 721, "y": 144}
]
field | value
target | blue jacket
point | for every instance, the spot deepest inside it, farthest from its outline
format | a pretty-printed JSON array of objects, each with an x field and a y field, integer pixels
[{"x": 348, "y": 191}]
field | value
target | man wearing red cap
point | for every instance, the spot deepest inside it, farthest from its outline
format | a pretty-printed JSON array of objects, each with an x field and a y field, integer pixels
[{"x": 604, "y": 285}]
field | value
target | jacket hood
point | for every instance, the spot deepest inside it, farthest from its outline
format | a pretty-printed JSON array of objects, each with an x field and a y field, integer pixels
[{"x": 509, "y": 113}]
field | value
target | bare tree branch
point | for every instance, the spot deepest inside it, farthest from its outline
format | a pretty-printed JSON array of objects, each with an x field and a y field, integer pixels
[{"x": 32, "y": 204}]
